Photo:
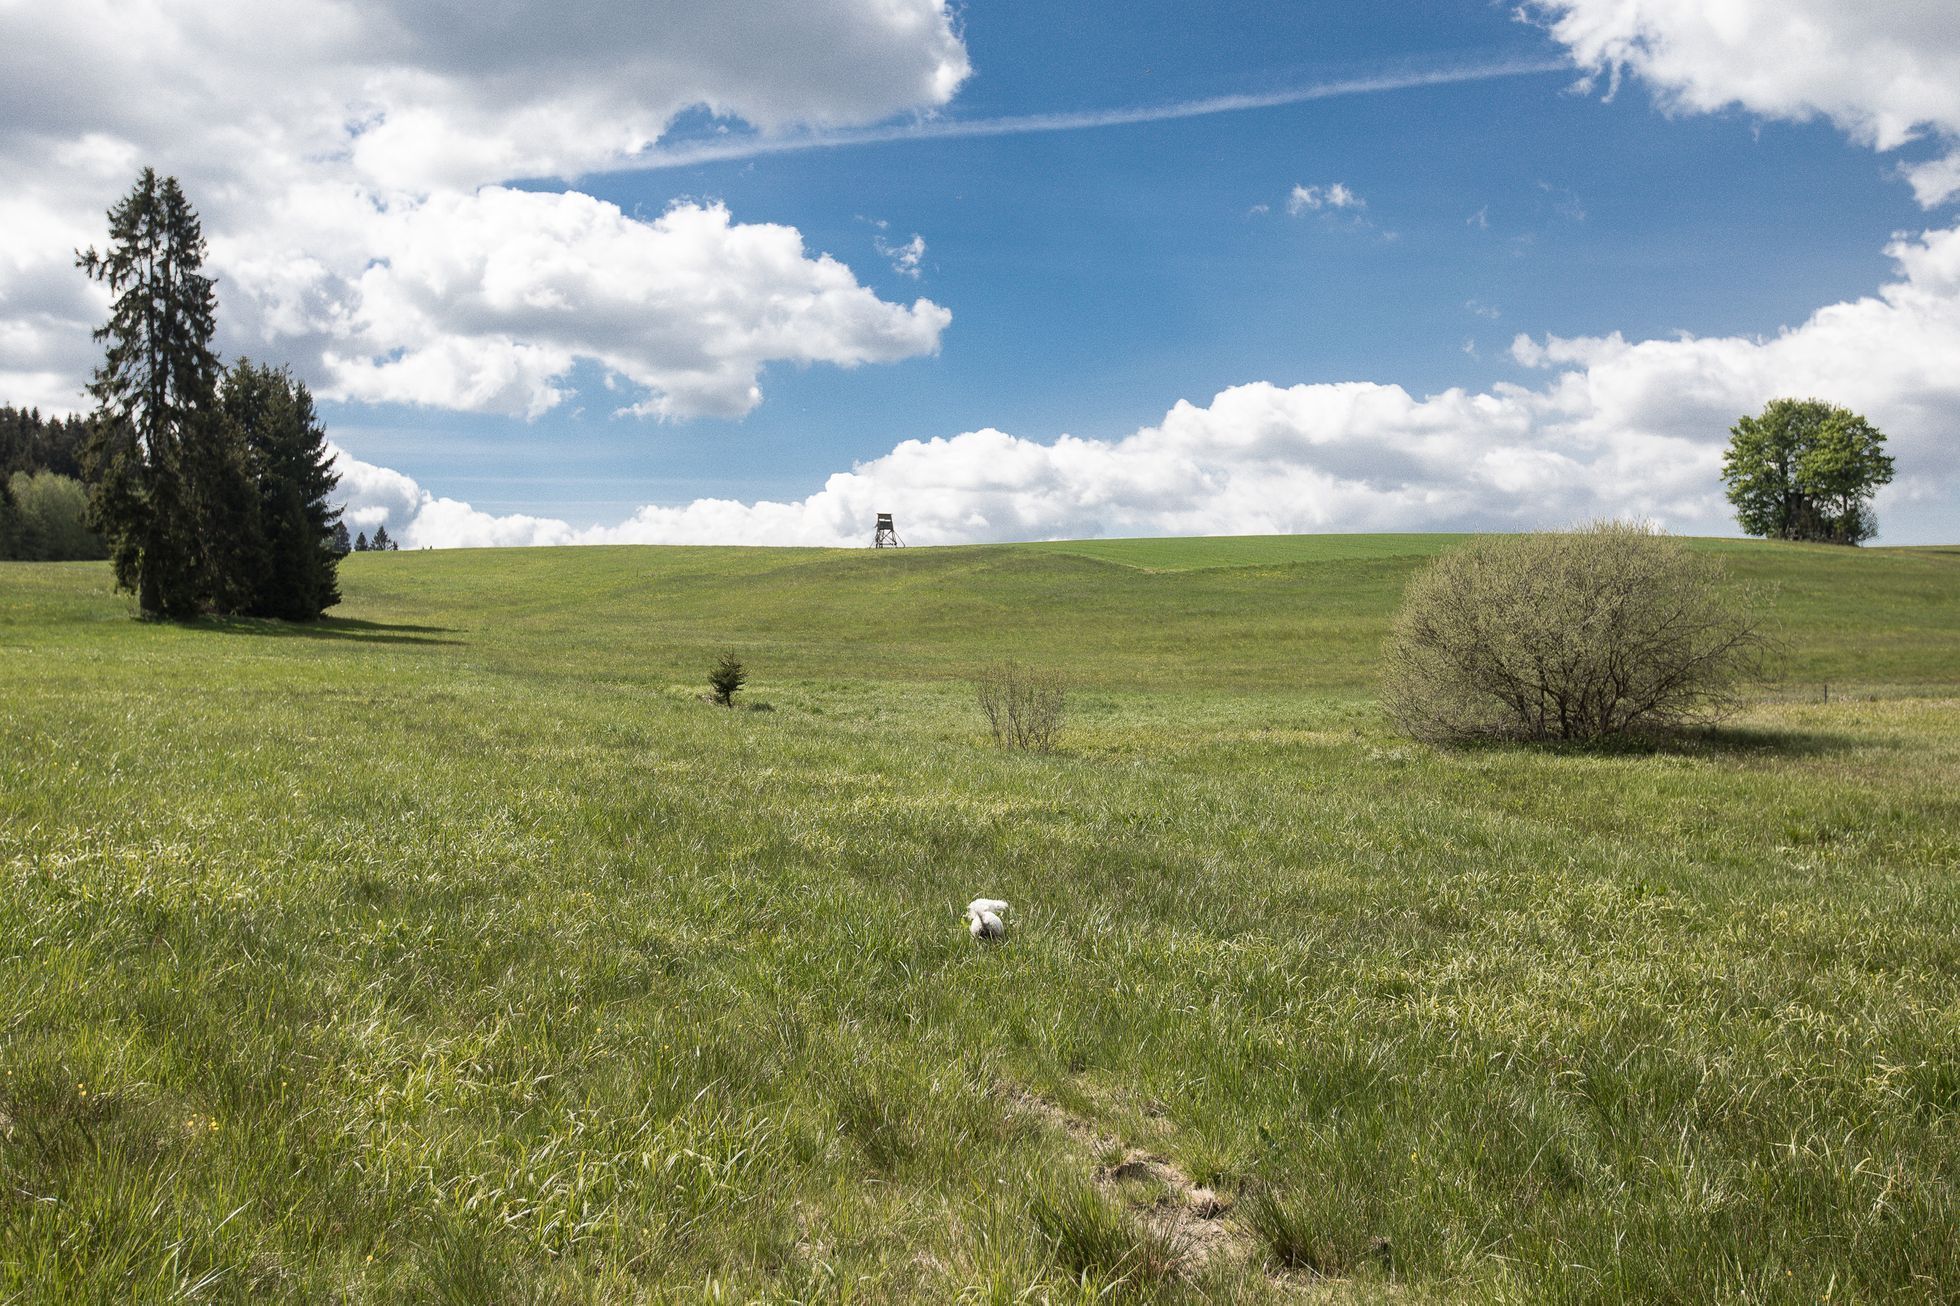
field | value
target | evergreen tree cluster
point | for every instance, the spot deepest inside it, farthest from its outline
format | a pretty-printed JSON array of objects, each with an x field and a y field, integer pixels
[
  {"x": 210, "y": 484},
  {"x": 379, "y": 544},
  {"x": 32, "y": 443}
]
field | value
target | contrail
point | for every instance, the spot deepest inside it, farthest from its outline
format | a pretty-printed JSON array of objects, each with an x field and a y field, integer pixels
[{"x": 934, "y": 129}]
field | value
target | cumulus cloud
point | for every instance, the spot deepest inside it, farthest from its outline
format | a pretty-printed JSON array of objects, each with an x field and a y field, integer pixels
[
  {"x": 1886, "y": 73},
  {"x": 1616, "y": 428},
  {"x": 487, "y": 299},
  {"x": 346, "y": 160}
]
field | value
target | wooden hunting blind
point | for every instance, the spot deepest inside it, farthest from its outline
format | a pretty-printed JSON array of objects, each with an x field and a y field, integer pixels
[{"x": 886, "y": 535}]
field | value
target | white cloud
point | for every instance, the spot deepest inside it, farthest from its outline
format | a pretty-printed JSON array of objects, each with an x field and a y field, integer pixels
[
  {"x": 1618, "y": 428},
  {"x": 332, "y": 150},
  {"x": 1936, "y": 180},
  {"x": 484, "y": 301},
  {"x": 1886, "y": 73},
  {"x": 1335, "y": 196},
  {"x": 905, "y": 258}
]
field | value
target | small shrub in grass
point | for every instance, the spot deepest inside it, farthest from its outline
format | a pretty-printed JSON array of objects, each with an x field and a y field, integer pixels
[
  {"x": 1024, "y": 705},
  {"x": 1612, "y": 629},
  {"x": 725, "y": 677},
  {"x": 1100, "y": 1244}
]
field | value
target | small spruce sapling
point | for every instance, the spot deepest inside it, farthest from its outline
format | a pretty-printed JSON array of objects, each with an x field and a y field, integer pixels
[{"x": 725, "y": 678}]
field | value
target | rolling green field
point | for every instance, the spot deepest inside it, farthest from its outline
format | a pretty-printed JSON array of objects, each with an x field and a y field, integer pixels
[{"x": 454, "y": 950}]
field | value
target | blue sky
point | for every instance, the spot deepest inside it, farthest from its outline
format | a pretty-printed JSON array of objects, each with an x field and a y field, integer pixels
[{"x": 1098, "y": 276}]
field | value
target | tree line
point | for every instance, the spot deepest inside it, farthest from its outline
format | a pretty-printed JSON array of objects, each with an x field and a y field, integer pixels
[
  {"x": 43, "y": 504},
  {"x": 210, "y": 484}
]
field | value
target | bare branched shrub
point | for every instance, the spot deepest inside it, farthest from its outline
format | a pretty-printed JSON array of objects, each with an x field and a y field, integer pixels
[
  {"x": 1607, "y": 630},
  {"x": 1024, "y": 705}
]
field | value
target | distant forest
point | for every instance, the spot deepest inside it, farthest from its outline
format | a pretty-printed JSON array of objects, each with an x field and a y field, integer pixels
[{"x": 43, "y": 504}]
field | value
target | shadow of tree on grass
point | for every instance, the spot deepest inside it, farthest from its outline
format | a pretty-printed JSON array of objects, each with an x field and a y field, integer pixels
[
  {"x": 1756, "y": 743},
  {"x": 331, "y": 628}
]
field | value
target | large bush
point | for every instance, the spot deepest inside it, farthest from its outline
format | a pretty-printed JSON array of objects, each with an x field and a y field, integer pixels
[{"x": 1611, "y": 629}]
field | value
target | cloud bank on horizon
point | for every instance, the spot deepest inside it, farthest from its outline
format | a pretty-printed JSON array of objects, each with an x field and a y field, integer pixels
[
  {"x": 356, "y": 190},
  {"x": 1618, "y": 429}
]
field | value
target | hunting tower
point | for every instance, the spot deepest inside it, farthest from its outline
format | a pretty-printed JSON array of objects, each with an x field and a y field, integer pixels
[{"x": 886, "y": 536}]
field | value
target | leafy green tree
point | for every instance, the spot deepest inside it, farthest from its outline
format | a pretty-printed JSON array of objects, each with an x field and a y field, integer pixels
[
  {"x": 271, "y": 420},
  {"x": 1806, "y": 470},
  {"x": 49, "y": 523},
  {"x": 154, "y": 428}
]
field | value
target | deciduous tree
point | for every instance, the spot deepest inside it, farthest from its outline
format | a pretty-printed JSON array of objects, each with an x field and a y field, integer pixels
[{"x": 1806, "y": 470}]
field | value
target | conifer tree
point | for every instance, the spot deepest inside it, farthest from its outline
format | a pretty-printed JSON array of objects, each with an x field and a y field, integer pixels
[
  {"x": 381, "y": 543},
  {"x": 360, "y": 543},
  {"x": 271, "y": 419},
  {"x": 153, "y": 433},
  {"x": 341, "y": 545}
]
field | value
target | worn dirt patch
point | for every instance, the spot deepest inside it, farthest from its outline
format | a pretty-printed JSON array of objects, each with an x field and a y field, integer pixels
[{"x": 1189, "y": 1214}]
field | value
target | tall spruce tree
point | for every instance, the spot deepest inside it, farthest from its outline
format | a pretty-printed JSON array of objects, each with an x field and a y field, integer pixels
[
  {"x": 270, "y": 416},
  {"x": 381, "y": 543},
  {"x": 167, "y": 488}
]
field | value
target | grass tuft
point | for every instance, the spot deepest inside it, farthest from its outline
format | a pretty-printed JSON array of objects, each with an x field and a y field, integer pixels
[{"x": 1102, "y": 1245}]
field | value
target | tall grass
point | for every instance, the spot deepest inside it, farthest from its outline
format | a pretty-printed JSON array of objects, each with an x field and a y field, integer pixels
[{"x": 455, "y": 948}]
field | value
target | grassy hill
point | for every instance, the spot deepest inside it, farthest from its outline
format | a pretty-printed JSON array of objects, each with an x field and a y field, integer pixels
[{"x": 453, "y": 950}]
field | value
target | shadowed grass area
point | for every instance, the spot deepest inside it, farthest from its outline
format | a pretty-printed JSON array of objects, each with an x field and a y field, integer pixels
[{"x": 463, "y": 954}]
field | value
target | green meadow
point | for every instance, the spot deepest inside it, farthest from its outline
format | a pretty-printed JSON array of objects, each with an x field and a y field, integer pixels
[{"x": 454, "y": 950}]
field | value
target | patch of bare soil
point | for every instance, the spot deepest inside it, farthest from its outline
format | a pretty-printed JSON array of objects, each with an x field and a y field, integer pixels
[{"x": 1190, "y": 1215}]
